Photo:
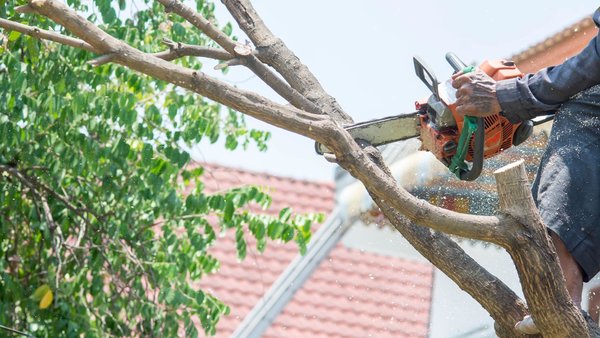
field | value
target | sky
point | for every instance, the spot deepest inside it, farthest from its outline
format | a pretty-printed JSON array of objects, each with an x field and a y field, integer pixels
[{"x": 361, "y": 52}]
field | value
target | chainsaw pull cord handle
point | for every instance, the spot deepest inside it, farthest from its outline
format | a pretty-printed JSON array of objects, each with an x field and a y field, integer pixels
[{"x": 471, "y": 125}]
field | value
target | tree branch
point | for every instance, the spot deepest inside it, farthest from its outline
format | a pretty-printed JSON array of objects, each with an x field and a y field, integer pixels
[
  {"x": 275, "y": 53},
  {"x": 201, "y": 23},
  {"x": 535, "y": 258},
  {"x": 384, "y": 188},
  {"x": 285, "y": 117},
  {"x": 46, "y": 34},
  {"x": 178, "y": 49},
  {"x": 35, "y": 186},
  {"x": 505, "y": 307},
  {"x": 248, "y": 59},
  {"x": 317, "y": 127}
]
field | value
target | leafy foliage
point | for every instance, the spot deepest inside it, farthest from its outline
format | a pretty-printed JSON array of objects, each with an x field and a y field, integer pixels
[{"x": 92, "y": 174}]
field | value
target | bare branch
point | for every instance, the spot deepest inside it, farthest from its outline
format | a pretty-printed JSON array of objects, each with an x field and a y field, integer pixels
[
  {"x": 178, "y": 49},
  {"x": 238, "y": 50},
  {"x": 285, "y": 117},
  {"x": 47, "y": 213},
  {"x": 201, "y": 23},
  {"x": 229, "y": 63},
  {"x": 499, "y": 300},
  {"x": 275, "y": 53},
  {"x": 46, "y": 34},
  {"x": 101, "y": 60},
  {"x": 25, "y": 9}
]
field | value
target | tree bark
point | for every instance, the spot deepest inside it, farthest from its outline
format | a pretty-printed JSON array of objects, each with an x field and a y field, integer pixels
[{"x": 535, "y": 258}]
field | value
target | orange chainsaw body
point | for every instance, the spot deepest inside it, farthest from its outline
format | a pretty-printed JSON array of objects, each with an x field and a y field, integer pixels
[{"x": 499, "y": 132}]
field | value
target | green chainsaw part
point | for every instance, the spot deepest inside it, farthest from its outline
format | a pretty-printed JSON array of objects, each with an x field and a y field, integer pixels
[{"x": 458, "y": 164}]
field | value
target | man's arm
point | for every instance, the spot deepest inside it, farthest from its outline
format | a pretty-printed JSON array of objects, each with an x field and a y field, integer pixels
[{"x": 534, "y": 94}]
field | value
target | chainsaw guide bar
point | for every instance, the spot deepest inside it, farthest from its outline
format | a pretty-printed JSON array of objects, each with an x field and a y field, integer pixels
[{"x": 381, "y": 131}]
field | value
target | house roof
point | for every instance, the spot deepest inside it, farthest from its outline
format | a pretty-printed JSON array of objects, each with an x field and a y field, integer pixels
[
  {"x": 352, "y": 293},
  {"x": 555, "y": 39},
  {"x": 557, "y": 47}
]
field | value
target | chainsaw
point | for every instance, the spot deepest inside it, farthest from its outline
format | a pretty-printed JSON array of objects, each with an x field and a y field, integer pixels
[{"x": 454, "y": 139}]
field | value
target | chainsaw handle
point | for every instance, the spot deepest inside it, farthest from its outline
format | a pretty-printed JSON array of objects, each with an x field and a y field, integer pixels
[
  {"x": 455, "y": 62},
  {"x": 477, "y": 166}
]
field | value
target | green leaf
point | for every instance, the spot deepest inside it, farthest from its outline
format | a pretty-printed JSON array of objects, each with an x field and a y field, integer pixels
[
  {"x": 240, "y": 243},
  {"x": 147, "y": 153},
  {"x": 228, "y": 29},
  {"x": 275, "y": 229},
  {"x": 288, "y": 234},
  {"x": 284, "y": 214},
  {"x": 172, "y": 111},
  {"x": 228, "y": 212},
  {"x": 14, "y": 35}
]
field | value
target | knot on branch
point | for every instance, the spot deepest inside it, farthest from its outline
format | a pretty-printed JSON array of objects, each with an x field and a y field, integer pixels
[{"x": 175, "y": 47}]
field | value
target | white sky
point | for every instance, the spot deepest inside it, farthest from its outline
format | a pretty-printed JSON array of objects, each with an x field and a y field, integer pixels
[{"x": 361, "y": 52}]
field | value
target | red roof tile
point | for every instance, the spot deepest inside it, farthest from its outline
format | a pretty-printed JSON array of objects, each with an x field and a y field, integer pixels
[{"x": 352, "y": 294}]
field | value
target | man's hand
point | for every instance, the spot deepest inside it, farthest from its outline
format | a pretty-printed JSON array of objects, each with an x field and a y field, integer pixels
[{"x": 475, "y": 94}]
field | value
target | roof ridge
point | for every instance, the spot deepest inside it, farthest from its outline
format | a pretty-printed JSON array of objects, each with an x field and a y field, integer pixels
[{"x": 553, "y": 39}]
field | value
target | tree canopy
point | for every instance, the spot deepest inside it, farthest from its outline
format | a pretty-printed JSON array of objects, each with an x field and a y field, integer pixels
[{"x": 97, "y": 236}]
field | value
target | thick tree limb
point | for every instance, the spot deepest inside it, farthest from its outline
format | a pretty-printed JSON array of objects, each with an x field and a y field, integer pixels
[
  {"x": 275, "y": 53},
  {"x": 535, "y": 258},
  {"x": 505, "y": 307},
  {"x": 356, "y": 161},
  {"x": 247, "y": 59}
]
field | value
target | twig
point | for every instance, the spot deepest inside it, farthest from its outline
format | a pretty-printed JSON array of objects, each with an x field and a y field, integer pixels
[
  {"x": 46, "y": 34},
  {"x": 36, "y": 185},
  {"x": 178, "y": 49},
  {"x": 15, "y": 331}
]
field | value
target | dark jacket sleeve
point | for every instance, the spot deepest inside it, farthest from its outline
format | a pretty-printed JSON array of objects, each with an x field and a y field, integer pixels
[{"x": 543, "y": 92}]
